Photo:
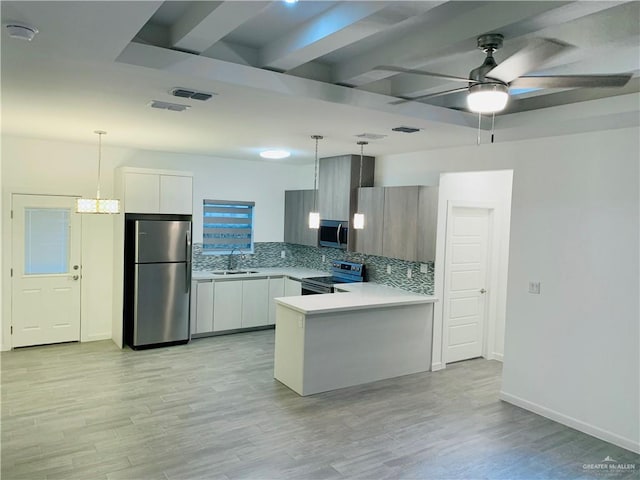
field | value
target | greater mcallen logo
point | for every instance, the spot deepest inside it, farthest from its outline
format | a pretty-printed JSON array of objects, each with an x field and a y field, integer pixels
[{"x": 610, "y": 465}]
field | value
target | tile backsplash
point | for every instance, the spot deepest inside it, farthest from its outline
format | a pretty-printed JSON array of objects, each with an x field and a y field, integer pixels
[{"x": 269, "y": 254}]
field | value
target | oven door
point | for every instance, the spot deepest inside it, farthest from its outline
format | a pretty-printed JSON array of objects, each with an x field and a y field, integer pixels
[{"x": 313, "y": 289}]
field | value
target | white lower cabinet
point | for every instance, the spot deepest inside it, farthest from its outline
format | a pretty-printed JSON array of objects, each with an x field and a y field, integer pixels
[
  {"x": 255, "y": 302},
  {"x": 219, "y": 305},
  {"x": 227, "y": 305},
  {"x": 276, "y": 289},
  {"x": 292, "y": 288}
]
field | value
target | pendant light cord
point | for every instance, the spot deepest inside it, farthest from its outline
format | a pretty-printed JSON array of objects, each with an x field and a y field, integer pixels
[
  {"x": 315, "y": 177},
  {"x": 362, "y": 144},
  {"x": 100, "y": 134}
]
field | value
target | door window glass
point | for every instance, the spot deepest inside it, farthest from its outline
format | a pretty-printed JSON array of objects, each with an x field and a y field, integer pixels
[{"x": 46, "y": 248}]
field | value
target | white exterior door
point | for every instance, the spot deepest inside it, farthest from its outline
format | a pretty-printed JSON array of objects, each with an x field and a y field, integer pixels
[
  {"x": 465, "y": 280},
  {"x": 46, "y": 270}
]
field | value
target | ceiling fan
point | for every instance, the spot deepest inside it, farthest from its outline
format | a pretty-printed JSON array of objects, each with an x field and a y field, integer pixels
[{"x": 488, "y": 85}]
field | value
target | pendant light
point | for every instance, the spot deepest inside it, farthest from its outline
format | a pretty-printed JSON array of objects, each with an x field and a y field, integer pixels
[
  {"x": 98, "y": 205},
  {"x": 358, "y": 218},
  {"x": 314, "y": 215}
]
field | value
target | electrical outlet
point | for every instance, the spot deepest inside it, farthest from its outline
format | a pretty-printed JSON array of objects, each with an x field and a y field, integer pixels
[
  {"x": 534, "y": 288},
  {"x": 424, "y": 268},
  {"x": 409, "y": 272},
  {"x": 324, "y": 258},
  {"x": 388, "y": 269},
  {"x": 283, "y": 254}
]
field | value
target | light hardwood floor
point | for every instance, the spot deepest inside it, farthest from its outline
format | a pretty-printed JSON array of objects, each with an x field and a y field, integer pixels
[{"x": 211, "y": 409}]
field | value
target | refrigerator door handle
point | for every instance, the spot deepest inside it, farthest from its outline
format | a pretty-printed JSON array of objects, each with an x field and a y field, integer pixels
[{"x": 188, "y": 261}]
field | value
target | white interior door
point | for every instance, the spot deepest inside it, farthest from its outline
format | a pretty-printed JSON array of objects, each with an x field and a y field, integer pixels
[
  {"x": 46, "y": 270},
  {"x": 465, "y": 280}
]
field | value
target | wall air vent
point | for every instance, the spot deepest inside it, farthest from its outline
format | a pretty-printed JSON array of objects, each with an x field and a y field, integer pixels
[
  {"x": 406, "y": 129},
  {"x": 193, "y": 94},
  {"x": 174, "y": 107},
  {"x": 371, "y": 136}
]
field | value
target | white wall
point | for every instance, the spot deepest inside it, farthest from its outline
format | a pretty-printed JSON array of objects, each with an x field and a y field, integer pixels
[
  {"x": 572, "y": 352},
  {"x": 64, "y": 168}
]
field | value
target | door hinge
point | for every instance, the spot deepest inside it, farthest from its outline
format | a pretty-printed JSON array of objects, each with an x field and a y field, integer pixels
[
  {"x": 11, "y": 214},
  {"x": 11, "y": 329},
  {"x": 12, "y": 272}
]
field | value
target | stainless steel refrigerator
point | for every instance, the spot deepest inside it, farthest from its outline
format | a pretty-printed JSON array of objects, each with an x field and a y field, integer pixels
[{"x": 157, "y": 280}]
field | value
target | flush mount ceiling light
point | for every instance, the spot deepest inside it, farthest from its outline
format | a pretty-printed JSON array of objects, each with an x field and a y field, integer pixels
[
  {"x": 21, "y": 31},
  {"x": 275, "y": 154},
  {"x": 98, "y": 205},
  {"x": 487, "y": 97},
  {"x": 358, "y": 218},
  {"x": 314, "y": 215}
]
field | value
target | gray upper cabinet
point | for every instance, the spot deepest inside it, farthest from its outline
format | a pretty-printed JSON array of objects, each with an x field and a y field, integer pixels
[
  {"x": 400, "y": 222},
  {"x": 371, "y": 203},
  {"x": 400, "y": 236},
  {"x": 338, "y": 183},
  {"x": 297, "y": 205}
]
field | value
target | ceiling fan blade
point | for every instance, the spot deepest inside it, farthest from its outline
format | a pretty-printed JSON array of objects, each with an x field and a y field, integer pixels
[
  {"x": 528, "y": 59},
  {"x": 429, "y": 95},
  {"x": 391, "y": 68},
  {"x": 572, "y": 81}
]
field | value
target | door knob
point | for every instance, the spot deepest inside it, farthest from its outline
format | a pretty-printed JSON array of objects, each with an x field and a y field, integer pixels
[
  {"x": 76, "y": 267},
  {"x": 482, "y": 290},
  {"x": 76, "y": 277}
]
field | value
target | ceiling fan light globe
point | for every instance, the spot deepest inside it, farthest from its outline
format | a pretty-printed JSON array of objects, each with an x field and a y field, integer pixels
[{"x": 487, "y": 97}]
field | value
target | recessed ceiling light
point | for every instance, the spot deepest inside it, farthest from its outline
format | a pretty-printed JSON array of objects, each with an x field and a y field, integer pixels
[
  {"x": 290, "y": 1},
  {"x": 21, "y": 31},
  {"x": 275, "y": 154}
]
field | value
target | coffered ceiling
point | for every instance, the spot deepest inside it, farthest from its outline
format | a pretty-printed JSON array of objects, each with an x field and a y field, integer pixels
[{"x": 281, "y": 72}]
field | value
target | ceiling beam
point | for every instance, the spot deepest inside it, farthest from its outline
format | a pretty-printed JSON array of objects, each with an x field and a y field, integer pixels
[
  {"x": 205, "y": 23},
  {"x": 454, "y": 28},
  {"x": 339, "y": 26}
]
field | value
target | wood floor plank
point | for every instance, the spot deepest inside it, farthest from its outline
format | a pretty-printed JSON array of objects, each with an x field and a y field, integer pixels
[{"x": 212, "y": 410}]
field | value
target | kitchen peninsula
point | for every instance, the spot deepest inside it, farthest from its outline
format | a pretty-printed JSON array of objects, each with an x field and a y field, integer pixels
[{"x": 368, "y": 333}]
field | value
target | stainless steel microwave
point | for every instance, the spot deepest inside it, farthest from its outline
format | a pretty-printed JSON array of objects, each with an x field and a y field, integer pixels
[{"x": 333, "y": 233}]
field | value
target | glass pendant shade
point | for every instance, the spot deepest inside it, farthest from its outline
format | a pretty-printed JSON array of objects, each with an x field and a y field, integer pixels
[
  {"x": 487, "y": 98},
  {"x": 314, "y": 220},
  {"x": 358, "y": 221},
  {"x": 98, "y": 205}
]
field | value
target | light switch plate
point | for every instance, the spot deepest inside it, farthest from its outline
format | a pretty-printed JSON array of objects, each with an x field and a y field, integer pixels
[
  {"x": 389, "y": 269},
  {"x": 424, "y": 268},
  {"x": 324, "y": 258},
  {"x": 409, "y": 272},
  {"x": 283, "y": 254},
  {"x": 534, "y": 288}
]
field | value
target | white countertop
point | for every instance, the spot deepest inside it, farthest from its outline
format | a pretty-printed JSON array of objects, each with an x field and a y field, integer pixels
[
  {"x": 292, "y": 272},
  {"x": 358, "y": 296}
]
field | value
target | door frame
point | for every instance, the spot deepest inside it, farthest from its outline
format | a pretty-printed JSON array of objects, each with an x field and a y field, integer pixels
[
  {"x": 7, "y": 263},
  {"x": 440, "y": 333}
]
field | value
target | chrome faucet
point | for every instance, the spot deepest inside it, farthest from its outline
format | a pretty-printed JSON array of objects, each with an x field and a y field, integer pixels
[{"x": 234, "y": 249}]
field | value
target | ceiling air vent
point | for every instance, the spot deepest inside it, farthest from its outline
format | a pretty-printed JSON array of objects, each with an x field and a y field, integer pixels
[
  {"x": 406, "y": 129},
  {"x": 174, "y": 107},
  {"x": 371, "y": 136},
  {"x": 193, "y": 94}
]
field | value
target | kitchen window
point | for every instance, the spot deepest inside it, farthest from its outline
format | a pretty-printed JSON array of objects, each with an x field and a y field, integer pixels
[{"x": 227, "y": 227}]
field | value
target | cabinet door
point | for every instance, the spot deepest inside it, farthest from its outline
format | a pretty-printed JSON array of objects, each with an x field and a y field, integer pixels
[
  {"x": 427, "y": 223},
  {"x": 297, "y": 205},
  {"x": 141, "y": 193},
  {"x": 292, "y": 288},
  {"x": 227, "y": 305},
  {"x": 204, "y": 307},
  {"x": 276, "y": 289},
  {"x": 255, "y": 302},
  {"x": 371, "y": 204},
  {"x": 334, "y": 184},
  {"x": 176, "y": 194},
  {"x": 400, "y": 236}
]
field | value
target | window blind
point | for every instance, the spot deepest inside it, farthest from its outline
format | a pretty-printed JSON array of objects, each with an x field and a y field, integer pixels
[{"x": 227, "y": 226}]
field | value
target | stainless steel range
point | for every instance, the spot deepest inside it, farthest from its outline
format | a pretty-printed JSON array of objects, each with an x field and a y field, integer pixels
[{"x": 341, "y": 272}]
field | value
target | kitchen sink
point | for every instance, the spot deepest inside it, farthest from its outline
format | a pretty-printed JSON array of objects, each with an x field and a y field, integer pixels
[{"x": 233, "y": 272}]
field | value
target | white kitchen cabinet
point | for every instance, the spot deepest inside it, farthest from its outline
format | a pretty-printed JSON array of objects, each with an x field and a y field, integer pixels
[
  {"x": 204, "y": 307},
  {"x": 276, "y": 289},
  {"x": 176, "y": 194},
  {"x": 292, "y": 288},
  {"x": 255, "y": 302},
  {"x": 227, "y": 305},
  {"x": 156, "y": 191}
]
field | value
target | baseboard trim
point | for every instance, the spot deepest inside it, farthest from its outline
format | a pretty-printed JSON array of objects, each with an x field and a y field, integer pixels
[
  {"x": 437, "y": 366},
  {"x": 572, "y": 422},
  {"x": 5, "y": 348},
  {"x": 99, "y": 336},
  {"x": 496, "y": 356}
]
